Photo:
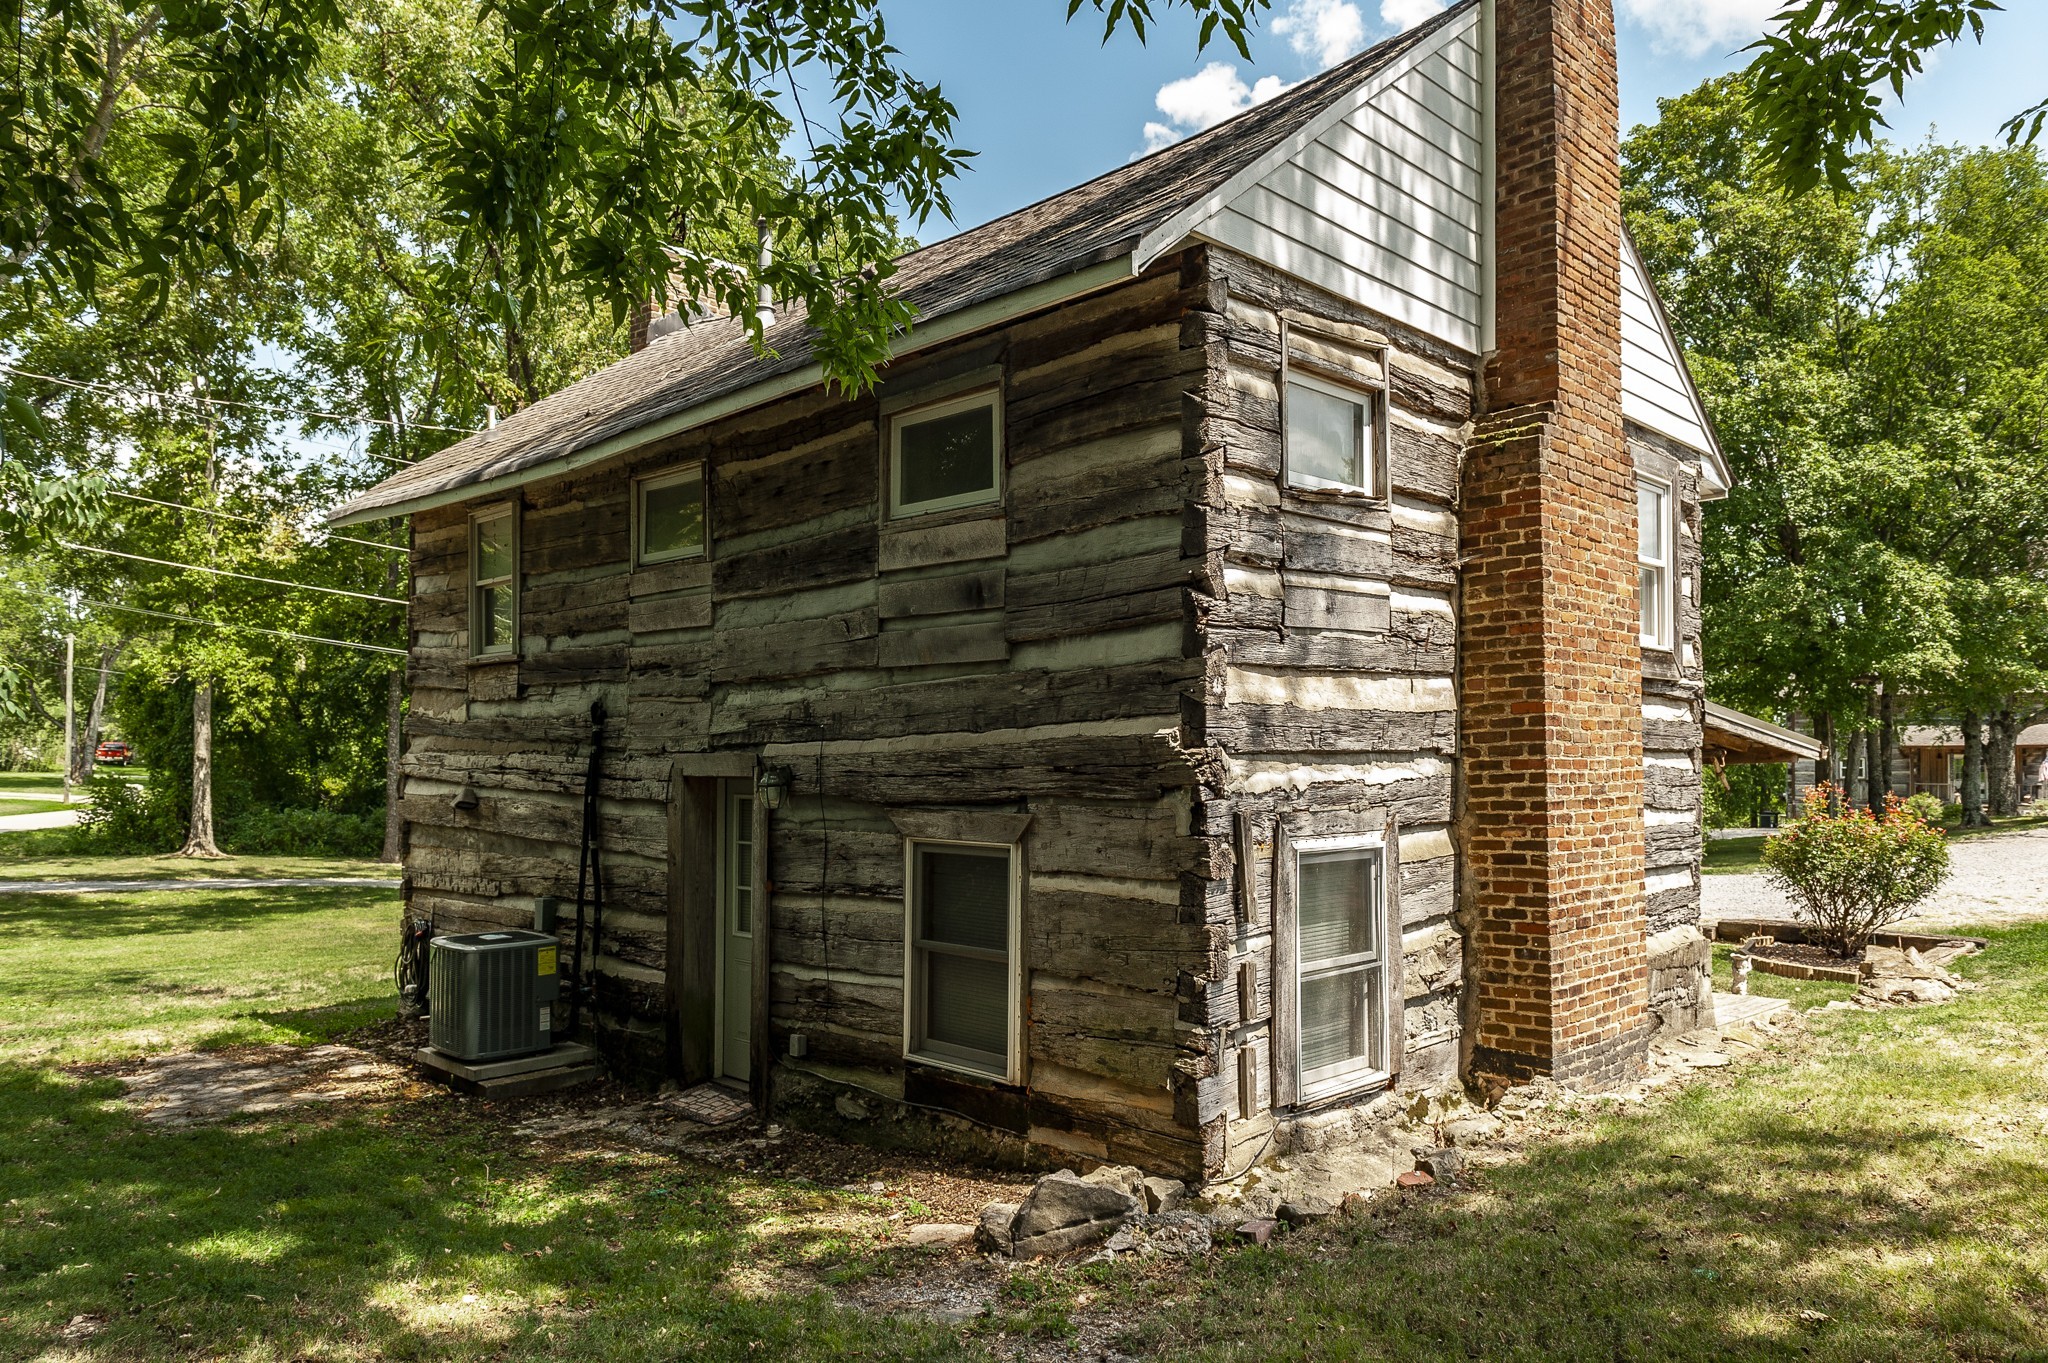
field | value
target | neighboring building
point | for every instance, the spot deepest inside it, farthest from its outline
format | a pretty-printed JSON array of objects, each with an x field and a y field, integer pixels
[
  {"x": 1929, "y": 759},
  {"x": 1243, "y": 658}
]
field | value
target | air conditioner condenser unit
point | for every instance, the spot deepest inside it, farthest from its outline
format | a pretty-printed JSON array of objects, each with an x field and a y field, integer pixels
[{"x": 491, "y": 995}]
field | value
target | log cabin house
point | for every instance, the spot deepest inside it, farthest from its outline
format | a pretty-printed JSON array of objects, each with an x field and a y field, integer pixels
[{"x": 1242, "y": 661}]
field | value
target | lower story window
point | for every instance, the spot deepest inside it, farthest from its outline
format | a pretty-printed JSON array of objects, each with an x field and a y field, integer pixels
[
  {"x": 962, "y": 1004},
  {"x": 1340, "y": 957}
]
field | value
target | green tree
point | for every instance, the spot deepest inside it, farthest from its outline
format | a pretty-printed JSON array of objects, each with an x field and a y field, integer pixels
[
  {"x": 1873, "y": 359},
  {"x": 1819, "y": 80}
]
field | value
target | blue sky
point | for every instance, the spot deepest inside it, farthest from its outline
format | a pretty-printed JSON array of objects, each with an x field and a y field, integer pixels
[{"x": 1047, "y": 105}]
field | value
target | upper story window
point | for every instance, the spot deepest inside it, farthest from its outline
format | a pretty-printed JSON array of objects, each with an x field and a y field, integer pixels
[
  {"x": 1332, "y": 434},
  {"x": 961, "y": 1001},
  {"x": 668, "y": 514},
  {"x": 946, "y": 455},
  {"x": 1340, "y": 957},
  {"x": 494, "y": 581},
  {"x": 1653, "y": 551}
]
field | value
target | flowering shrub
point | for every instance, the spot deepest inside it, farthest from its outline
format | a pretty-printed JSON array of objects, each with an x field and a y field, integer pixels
[{"x": 1850, "y": 875}]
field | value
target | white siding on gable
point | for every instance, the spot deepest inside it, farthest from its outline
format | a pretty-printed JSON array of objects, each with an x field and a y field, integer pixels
[
  {"x": 1385, "y": 205},
  {"x": 1656, "y": 390}
]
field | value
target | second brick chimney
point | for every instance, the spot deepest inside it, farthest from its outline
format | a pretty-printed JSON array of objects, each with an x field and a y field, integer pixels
[{"x": 1551, "y": 687}]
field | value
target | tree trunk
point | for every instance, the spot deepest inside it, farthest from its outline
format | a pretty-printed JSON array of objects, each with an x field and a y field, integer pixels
[
  {"x": 1855, "y": 774},
  {"x": 1973, "y": 771},
  {"x": 1888, "y": 738},
  {"x": 199, "y": 840},
  {"x": 88, "y": 751},
  {"x": 394, "y": 761},
  {"x": 2005, "y": 786},
  {"x": 1824, "y": 765}
]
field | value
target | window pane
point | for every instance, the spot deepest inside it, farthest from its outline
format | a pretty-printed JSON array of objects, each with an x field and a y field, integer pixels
[
  {"x": 967, "y": 1003},
  {"x": 1650, "y": 524},
  {"x": 740, "y": 874},
  {"x": 1334, "y": 906},
  {"x": 947, "y": 456},
  {"x": 1335, "y": 1013},
  {"x": 494, "y": 617},
  {"x": 965, "y": 897},
  {"x": 672, "y": 519},
  {"x": 1653, "y": 603},
  {"x": 1325, "y": 436},
  {"x": 494, "y": 548}
]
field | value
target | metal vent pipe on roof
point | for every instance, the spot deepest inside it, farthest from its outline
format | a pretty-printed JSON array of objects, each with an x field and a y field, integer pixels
[{"x": 765, "y": 308}]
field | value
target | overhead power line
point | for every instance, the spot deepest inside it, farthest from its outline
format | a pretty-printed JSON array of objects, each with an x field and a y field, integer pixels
[
  {"x": 253, "y": 520},
  {"x": 245, "y": 577},
  {"x": 253, "y": 629},
  {"x": 118, "y": 390}
]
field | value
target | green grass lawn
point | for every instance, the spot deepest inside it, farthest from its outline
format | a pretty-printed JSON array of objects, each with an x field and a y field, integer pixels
[
  {"x": 47, "y": 855},
  {"x": 51, "y": 783},
  {"x": 100, "y": 977},
  {"x": 14, "y": 806},
  {"x": 1873, "y": 1189}
]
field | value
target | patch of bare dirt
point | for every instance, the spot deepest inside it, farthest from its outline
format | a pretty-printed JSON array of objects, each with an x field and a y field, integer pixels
[{"x": 212, "y": 1086}]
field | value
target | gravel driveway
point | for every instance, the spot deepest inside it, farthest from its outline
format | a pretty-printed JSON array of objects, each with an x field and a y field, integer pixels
[{"x": 1995, "y": 880}]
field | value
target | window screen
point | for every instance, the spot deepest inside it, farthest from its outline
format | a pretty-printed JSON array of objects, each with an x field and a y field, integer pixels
[
  {"x": 1340, "y": 958},
  {"x": 1653, "y": 549},
  {"x": 672, "y": 516},
  {"x": 961, "y": 907},
  {"x": 946, "y": 457},
  {"x": 1329, "y": 438}
]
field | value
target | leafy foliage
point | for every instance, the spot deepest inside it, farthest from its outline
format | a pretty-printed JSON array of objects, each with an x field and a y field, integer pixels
[
  {"x": 1819, "y": 80},
  {"x": 1850, "y": 875}
]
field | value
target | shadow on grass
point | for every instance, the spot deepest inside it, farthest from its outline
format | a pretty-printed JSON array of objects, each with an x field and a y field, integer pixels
[
  {"x": 313, "y": 1026},
  {"x": 84, "y": 917},
  {"x": 419, "y": 1232}
]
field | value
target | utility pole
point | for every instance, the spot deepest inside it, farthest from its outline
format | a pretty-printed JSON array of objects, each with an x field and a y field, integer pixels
[{"x": 70, "y": 731}]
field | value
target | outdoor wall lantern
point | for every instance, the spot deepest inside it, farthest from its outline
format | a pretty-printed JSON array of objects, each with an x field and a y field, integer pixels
[{"x": 774, "y": 783}]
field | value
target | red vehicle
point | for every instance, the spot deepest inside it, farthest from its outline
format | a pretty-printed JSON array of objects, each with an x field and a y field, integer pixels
[{"x": 114, "y": 753}]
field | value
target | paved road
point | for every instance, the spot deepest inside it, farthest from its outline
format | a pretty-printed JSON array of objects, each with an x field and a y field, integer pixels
[
  {"x": 214, "y": 883},
  {"x": 23, "y": 823},
  {"x": 1995, "y": 880}
]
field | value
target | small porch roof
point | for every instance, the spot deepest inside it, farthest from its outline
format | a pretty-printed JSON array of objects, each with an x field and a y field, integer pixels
[{"x": 1733, "y": 737}]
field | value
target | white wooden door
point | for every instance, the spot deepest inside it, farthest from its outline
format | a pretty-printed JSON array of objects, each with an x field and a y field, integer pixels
[{"x": 735, "y": 927}]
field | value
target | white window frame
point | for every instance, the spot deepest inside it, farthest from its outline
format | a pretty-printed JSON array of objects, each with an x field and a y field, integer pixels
[
  {"x": 1667, "y": 569},
  {"x": 1365, "y": 1073},
  {"x": 991, "y": 398},
  {"x": 477, "y": 518},
  {"x": 915, "y": 1045},
  {"x": 1373, "y": 434},
  {"x": 681, "y": 473}
]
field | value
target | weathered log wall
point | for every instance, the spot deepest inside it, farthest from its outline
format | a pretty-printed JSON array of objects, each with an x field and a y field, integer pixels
[
  {"x": 1331, "y": 651},
  {"x": 1674, "y": 716},
  {"x": 1032, "y": 656}
]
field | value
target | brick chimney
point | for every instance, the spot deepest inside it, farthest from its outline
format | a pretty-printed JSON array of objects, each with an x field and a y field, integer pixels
[
  {"x": 1551, "y": 686},
  {"x": 637, "y": 328}
]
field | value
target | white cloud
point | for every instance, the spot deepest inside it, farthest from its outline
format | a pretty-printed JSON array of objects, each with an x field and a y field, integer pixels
[
  {"x": 1406, "y": 14},
  {"x": 1325, "y": 32},
  {"x": 1203, "y": 100},
  {"x": 1693, "y": 28}
]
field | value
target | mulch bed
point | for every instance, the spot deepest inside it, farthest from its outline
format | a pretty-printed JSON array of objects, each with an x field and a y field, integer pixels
[{"x": 1802, "y": 953}]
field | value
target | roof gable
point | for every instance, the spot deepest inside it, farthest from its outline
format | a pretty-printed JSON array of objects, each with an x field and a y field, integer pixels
[
  {"x": 1381, "y": 198},
  {"x": 1657, "y": 391}
]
